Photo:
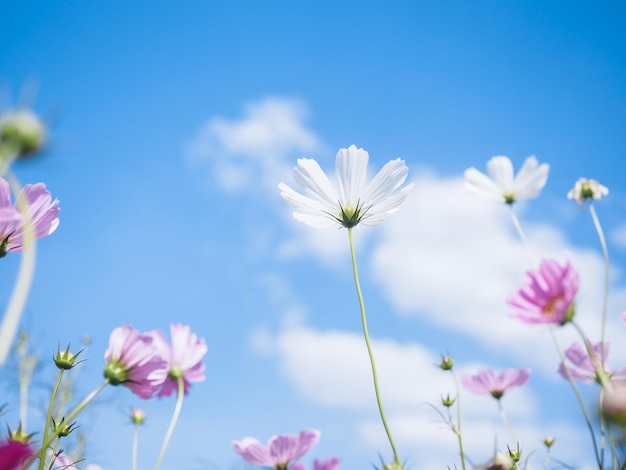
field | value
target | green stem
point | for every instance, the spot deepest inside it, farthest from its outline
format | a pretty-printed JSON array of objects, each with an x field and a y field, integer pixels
[
  {"x": 19, "y": 295},
  {"x": 48, "y": 422},
  {"x": 135, "y": 445},
  {"x": 68, "y": 419},
  {"x": 369, "y": 349},
  {"x": 579, "y": 397},
  {"x": 506, "y": 422},
  {"x": 521, "y": 234},
  {"x": 458, "y": 418},
  {"x": 605, "y": 253},
  {"x": 170, "y": 429}
]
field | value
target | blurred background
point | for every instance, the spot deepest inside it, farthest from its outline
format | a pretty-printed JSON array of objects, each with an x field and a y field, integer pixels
[{"x": 171, "y": 126}]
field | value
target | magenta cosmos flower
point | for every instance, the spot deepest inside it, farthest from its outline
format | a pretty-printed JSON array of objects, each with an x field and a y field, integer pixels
[
  {"x": 42, "y": 212},
  {"x": 132, "y": 361},
  {"x": 487, "y": 382},
  {"x": 547, "y": 295},
  {"x": 582, "y": 367},
  {"x": 183, "y": 357},
  {"x": 331, "y": 464},
  {"x": 280, "y": 450},
  {"x": 13, "y": 454}
]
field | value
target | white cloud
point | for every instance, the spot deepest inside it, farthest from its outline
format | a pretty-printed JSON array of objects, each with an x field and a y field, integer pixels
[{"x": 257, "y": 147}]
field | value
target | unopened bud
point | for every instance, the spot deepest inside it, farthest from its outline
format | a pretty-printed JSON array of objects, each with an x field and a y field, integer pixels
[
  {"x": 137, "y": 415},
  {"x": 22, "y": 132},
  {"x": 447, "y": 363},
  {"x": 447, "y": 401}
]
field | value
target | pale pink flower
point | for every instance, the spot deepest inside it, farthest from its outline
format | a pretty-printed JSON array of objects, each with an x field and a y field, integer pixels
[
  {"x": 13, "y": 454},
  {"x": 547, "y": 295},
  {"x": 582, "y": 367},
  {"x": 487, "y": 382},
  {"x": 183, "y": 357},
  {"x": 61, "y": 461},
  {"x": 41, "y": 211},
  {"x": 93, "y": 466},
  {"x": 353, "y": 201},
  {"x": 280, "y": 450},
  {"x": 331, "y": 464},
  {"x": 132, "y": 361}
]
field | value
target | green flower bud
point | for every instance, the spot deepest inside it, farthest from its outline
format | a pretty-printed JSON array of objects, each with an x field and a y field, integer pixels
[
  {"x": 21, "y": 132},
  {"x": 548, "y": 441},
  {"x": 63, "y": 429},
  {"x": 447, "y": 401},
  {"x": 447, "y": 363},
  {"x": 65, "y": 360}
]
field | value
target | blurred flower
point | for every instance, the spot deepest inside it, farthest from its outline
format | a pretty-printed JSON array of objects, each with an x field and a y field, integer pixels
[
  {"x": 353, "y": 201},
  {"x": 547, "y": 295},
  {"x": 331, "y": 464},
  {"x": 21, "y": 132},
  {"x": 613, "y": 404},
  {"x": 486, "y": 381},
  {"x": 502, "y": 186},
  {"x": 13, "y": 454},
  {"x": 183, "y": 357},
  {"x": 61, "y": 461},
  {"x": 582, "y": 367},
  {"x": 137, "y": 415},
  {"x": 41, "y": 211},
  {"x": 501, "y": 461},
  {"x": 93, "y": 466},
  {"x": 132, "y": 361},
  {"x": 585, "y": 189},
  {"x": 280, "y": 450}
]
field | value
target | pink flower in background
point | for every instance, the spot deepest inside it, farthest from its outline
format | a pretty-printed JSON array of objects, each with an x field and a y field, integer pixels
[
  {"x": 582, "y": 367},
  {"x": 62, "y": 461},
  {"x": 132, "y": 361},
  {"x": 331, "y": 464},
  {"x": 93, "y": 466},
  {"x": 13, "y": 454},
  {"x": 183, "y": 357},
  {"x": 487, "y": 382},
  {"x": 547, "y": 295},
  {"x": 42, "y": 212},
  {"x": 280, "y": 450}
]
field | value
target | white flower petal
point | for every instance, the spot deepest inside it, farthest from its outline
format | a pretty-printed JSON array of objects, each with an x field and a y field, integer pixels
[
  {"x": 480, "y": 183},
  {"x": 530, "y": 179},
  {"x": 314, "y": 181},
  {"x": 351, "y": 172}
]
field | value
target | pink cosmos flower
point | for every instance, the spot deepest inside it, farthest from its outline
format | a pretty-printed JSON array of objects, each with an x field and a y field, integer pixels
[
  {"x": 547, "y": 295},
  {"x": 42, "y": 212},
  {"x": 486, "y": 381},
  {"x": 62, "y": 461},
  {"x": 582, "y": 367},
  {"x": 280, "y": 450},
  {"x": 13, "y": 454},
  {"x": 331, "y": 464},
  {"x": 131, "y": 360},
  {"x": 183, "y": 357}
]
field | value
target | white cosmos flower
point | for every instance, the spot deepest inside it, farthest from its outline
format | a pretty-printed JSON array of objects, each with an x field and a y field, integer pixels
[
  {"x": 585, "y": 189},
  {"x": 502, "y": 185},
  {"x": 354, "y": 201}
]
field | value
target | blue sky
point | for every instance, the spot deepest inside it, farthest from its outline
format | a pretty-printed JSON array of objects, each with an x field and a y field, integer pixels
[{"x": 171, "y": 127}]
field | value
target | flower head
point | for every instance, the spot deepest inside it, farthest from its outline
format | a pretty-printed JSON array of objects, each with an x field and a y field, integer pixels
[
  {"x": 547, "y": 295},
  {"x": 13, "y": 454},
  {"x": 582, "y": 367},
  {"x": 353, "y": 201},
  {"x": 131, "y": 360},
  {"x": 502, "y": 185},
  {"x": 585, "y": 190},
  {"x": 41, "y": 211},
  {"x": 487, "y": 382},
  {"x": 183, "y": 357},
  {"x": 280, "y": 450}
]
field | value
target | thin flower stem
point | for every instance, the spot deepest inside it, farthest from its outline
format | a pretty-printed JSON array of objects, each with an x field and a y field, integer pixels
[
  {"x": 521, "y": 234},
  {"x": 396, "y": 457},
  {"x": 19, "y": 295},
  {"x": 135, "y": 445},
  {"x": 579, "y": 397},
  {"x": 170, "y": 429},
  {"x": 48, "y": 422},
  {"x": 547, "y": 459},
  {"x": 605, "y": 253},
  {"x": 614, "y": 463},
  {"x": 68, "y": 419},
  {"x": 458, "y": 418},
  {"x": 507, "y": 425}
]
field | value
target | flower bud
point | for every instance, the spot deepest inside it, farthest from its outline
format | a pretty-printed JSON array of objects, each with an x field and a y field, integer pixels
[
  {"x": 19, "y": 435},
  {"x": 65, "y": 360},
  {"x": 22, "y": 132},
  {"x": 63, "y": 429},
  {"x": 137, "y": 415},
  {"x": 548, "y": 441},
  {"x": 447, "y": 363},
  {"x": 447, "y": 401}
]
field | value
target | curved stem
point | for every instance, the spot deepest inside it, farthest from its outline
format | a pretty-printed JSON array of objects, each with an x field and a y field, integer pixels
[
  {"x": 579, "y": 397},
  {"x": 369, "y": 349},
  {"x": 521, "y": 234},
  {"x": 605, "y": 253},
  {"x": 458, "y": 418},
  {"x": 170, "y": 429},
  {"x": 19, "y": 295},
  {"x": 46, "y": 428}
]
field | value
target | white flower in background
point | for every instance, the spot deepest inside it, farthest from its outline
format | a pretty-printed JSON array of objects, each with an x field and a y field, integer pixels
[
  {"x": 585, "y": 189},
  {"x": 502, "y": 185},
  {"x": 354, "y": 201}
]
